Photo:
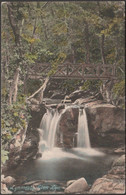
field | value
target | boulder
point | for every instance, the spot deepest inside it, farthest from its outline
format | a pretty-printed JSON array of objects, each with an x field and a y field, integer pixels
[
  {"x": 8, "y": 180},
  {"x": 107, "y": 186},
  {"x": 106, "y": 117},
  {"x": 77, "y": 186},
  {"x": 67, "y": 127},
  {"x": 113, "y": 182},
  {"x": 106, "y": 124},
  {"x": 4, "y": 189}
]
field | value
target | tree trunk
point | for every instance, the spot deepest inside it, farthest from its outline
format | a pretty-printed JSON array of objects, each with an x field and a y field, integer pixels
[
  {"x": 106, "y": 90},
  {"x": 13, "y": 23},
  {"x": 41, "y": 90},
  {"x": 102, "y": 49},
  {"x": 14, "y": 87}
]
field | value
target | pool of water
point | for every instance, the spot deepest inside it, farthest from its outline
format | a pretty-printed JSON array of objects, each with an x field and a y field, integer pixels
[{"x": 64, "y": 165}]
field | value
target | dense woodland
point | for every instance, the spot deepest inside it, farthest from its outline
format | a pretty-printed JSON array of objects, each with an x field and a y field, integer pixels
[{"x": 55, "y": 32}]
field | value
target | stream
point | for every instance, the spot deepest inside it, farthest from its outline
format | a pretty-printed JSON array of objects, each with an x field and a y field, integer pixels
[{"x": 56, "y": 166}]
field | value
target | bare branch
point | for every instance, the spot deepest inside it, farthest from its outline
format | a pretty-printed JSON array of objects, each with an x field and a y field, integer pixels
[{"x": 41, "y": 89}]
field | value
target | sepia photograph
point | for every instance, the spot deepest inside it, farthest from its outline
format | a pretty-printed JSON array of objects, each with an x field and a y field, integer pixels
[{"x": 62, "y": 97}]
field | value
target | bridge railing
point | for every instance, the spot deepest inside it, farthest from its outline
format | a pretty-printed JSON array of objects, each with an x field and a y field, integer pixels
[{"x": 75, "y": 71}]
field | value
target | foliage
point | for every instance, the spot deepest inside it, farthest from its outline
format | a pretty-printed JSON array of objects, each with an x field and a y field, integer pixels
[
  {"x": 71, "y": 85},
  {"x": 91, "y": 85},
  {"x": 4, "y": 156},
  {"x": 119, "y": 88},
  {"x": 57, "y": 32},
  {"x": 14, "y": 118}
]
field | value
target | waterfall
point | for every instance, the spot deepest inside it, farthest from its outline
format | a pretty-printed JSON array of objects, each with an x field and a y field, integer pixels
[
  {"x": 83, "y": 140},
  {"x": 48, "y": 126},
  {"x": 52, "y": 129}
]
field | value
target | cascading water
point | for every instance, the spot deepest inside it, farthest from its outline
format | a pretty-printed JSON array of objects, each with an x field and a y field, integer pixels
[
  {"x": 83, "y": 140},
  {"x": 48, "y": 126}
]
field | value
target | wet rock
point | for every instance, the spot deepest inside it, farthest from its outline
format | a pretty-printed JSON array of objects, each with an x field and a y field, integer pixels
[
  {"x": 4, "y": 189},
  {"x": 8, "y": 180},
  {"x": 78, "y": 186}
]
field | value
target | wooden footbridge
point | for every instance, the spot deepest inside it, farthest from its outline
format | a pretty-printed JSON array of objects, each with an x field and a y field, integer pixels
[{"x": 74, "y": 71}]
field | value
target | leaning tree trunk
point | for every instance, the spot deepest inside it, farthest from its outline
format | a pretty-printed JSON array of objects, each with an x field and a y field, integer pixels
[{"x": 40, "y": 90}]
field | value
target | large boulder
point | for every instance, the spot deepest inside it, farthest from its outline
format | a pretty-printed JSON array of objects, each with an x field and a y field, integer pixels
[
  {"x": 107, "y": 186},
  {"x": 77, "y": 186},
  {"x": 113, "y": 182},
  {"x": 106, "y": 124}
]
